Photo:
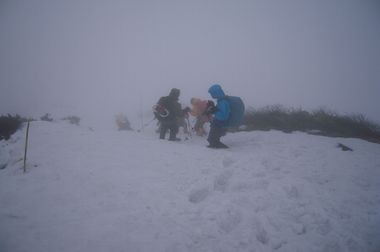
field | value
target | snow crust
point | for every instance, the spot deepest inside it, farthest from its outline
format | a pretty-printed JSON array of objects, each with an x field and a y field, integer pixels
[{"x": 104, "y": 190}]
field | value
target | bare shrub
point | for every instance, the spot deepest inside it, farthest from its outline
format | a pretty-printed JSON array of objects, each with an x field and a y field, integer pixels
[
  {"x": 72, "y": 119},
  {"x": 9, "y": 125},
  {"x": 321, "y": 121}
]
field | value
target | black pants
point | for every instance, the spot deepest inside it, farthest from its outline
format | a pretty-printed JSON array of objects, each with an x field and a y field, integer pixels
[
  {"x": 216, "y": 132},
  {"x": 172, "y": 127}
]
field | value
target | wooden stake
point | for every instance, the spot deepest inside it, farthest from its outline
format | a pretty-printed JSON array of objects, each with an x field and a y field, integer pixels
[{"x": 26, "y": 145}]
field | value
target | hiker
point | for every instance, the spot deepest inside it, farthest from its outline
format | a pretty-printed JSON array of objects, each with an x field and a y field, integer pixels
[
  {"x": 221, "y": 114},
  {"x": 183, "y": 120},
  {"x": 122, "y": 122},
  {"x": 167, "y": 111},
  {"x": 198, "y": 110}
]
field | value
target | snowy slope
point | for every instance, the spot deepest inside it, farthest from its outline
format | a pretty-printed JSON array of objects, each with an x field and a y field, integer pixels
[{"x": 106, "y": 190}]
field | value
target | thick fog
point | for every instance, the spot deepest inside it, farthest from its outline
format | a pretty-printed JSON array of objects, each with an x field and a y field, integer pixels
[{"x": 92, "y": 57}]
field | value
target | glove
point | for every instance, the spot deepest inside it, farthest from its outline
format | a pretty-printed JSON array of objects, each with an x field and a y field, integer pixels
[
  {"x": 211, "y": 109},
  {"x": 210, "y": 103}
]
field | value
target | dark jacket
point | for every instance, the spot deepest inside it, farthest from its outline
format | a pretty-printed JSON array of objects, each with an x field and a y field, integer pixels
[{"x": 171, "y": 103}]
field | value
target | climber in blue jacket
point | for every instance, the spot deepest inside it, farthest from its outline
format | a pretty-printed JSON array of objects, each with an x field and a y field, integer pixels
[{"x": 221, "y": 114}]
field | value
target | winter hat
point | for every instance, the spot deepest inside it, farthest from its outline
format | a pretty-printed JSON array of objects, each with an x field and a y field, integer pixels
[{"x": 174, "y": 93}]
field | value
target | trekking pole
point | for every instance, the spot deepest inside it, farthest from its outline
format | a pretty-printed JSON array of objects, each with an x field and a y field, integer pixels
[
  {"x": 189, "y": 127},
  {"x": 26, "y": 145},
  {"x": 141, "y": 111},
  {"x": 146, "y": 124}
]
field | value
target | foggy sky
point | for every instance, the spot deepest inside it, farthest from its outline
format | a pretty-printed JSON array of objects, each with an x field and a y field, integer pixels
[{"x": 92, "y": 56}]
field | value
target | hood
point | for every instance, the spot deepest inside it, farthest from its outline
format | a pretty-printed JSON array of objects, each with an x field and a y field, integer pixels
[
  {"x": 216, "y": 91},
  {"x": 174, "y": 93}
]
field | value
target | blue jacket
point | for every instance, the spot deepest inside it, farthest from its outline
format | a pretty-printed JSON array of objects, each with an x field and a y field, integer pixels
[{"x": 223, "y": 107}]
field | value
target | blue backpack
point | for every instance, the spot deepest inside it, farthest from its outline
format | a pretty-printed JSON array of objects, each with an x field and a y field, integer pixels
[{"x": 237, "y": 111}]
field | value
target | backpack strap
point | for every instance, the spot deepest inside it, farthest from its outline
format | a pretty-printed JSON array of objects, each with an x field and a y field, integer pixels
[{"x": 160, "y": 111}]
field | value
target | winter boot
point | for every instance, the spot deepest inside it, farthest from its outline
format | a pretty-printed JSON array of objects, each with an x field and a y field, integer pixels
[{"x": 217, "y": 145}]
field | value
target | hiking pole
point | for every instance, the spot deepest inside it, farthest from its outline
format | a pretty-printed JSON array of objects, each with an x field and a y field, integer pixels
[
  {"x": 189, "y": 127},
  {"x": 146, "y": 124},
  {"x": 26, "y": 145}
]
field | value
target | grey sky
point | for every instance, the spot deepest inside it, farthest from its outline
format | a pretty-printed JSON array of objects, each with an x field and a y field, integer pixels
[{"x": 92, "y": 56}]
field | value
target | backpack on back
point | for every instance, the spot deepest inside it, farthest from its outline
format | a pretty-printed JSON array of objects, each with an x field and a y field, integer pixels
[{"x": 237, "y": 111}]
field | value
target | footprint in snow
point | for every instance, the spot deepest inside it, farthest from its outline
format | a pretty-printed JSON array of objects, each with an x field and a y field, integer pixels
[
  {"x": 292, "y": 192},
  {"x": 299, "y": 228},
  {"x": 324, "y": 226},
  {"x": 221, "y": 181},
  {"x": 262, "y": 235},
  {"x": 229, "y": 220},
  {"x": 227, "y": 162},
  {"x": 199, "y": 195}
]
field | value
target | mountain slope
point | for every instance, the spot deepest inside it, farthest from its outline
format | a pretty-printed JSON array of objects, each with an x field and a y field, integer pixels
[{"x": 126, "y": 191}]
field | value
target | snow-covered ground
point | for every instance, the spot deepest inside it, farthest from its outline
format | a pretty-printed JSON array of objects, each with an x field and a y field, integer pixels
[{"x": 105, "y": 190}]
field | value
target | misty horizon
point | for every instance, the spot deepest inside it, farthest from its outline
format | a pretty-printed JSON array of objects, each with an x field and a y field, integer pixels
[{"x": 97, "y": 57}]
